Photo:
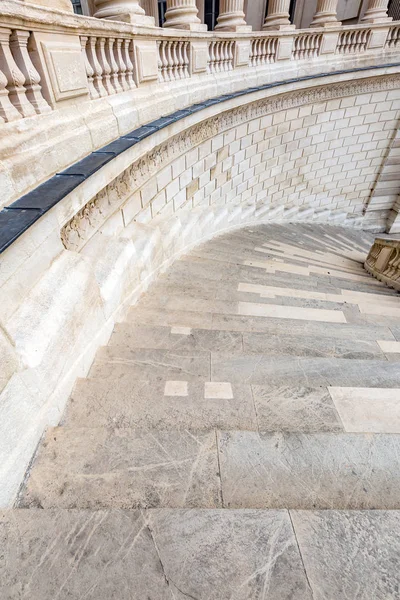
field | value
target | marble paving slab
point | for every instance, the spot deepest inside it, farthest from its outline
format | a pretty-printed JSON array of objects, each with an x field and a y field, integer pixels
[
  {"x": 375, "y": 410},
  {"x": 350, "y": 555},
  {"x": 164, "y": 338},
  {"x": 277, "y": 370},
  {"x": 310, "y": 471},
  {"x": 350, "y": 331},
  {"x": 229, "y": 555},
  {"x": 290, "y": 312},
  {"x": 114, "y": 361},
  {"x": 286, "y": 408},
  {"x": 302, "y": 346},
  {"x": 99, "y": 468},
  {"x": 129, "y": 403},
  {"x": 76, "y": 555}
]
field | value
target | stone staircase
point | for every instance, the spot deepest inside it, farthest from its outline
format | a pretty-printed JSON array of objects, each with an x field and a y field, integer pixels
[{"x": 239, "y": 437}]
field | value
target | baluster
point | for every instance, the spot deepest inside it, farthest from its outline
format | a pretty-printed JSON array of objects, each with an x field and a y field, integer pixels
[
  {"x": 231, "y": 54},
  {"x": 8, "y": 112},
  {"x": 175, "y": 59},
  {"x": 89, "y": 69},
  {"x": 19, "y": 47},
  {"x": 168, "y": 55},
  {"x": 106, "y": 69},
  {"x": 186, "y": 58},
  {"x": 121, "y": 65},
  {"x": 110, "y": 54},
  {"x": 15, "y": 78},
  {"x": 96, "y": 66},
  {"x": 126, "y": 53},
  {"x": 225, "y": 55},
  {"x": 160, "y": 62},
  {"x": 210, "y": 57}
]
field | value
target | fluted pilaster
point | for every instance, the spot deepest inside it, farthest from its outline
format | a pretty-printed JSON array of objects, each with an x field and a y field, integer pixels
[
  {"x": 278, "y": 15},
  {"x": 122, "y": 10},
  {"x": 377, "y": 12},
  {"x": 183, "y": 14},
  {"x": 231, "y": 16},
  {"x": 326, "y": 15}
]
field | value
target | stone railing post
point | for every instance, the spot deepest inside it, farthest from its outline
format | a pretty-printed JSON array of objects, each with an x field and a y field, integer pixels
[
  {"x": 278, "y": 16},
  {"x": 128, "y": 11},
  {"x": 182, "y": 14},
  {"x": 377, "y": 12},
  {"x": 326, "y": 15},
  {"x": 231, "y": 16}
]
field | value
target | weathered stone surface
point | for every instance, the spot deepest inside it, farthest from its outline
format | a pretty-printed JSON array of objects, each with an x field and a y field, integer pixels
[
  {"x": 310, "y": 471},
  {"x": 350, "y": 554},
  {"x": 75, "y": 554},
  {"x": 112, "y": 361},
  {"x": 129, "y": 403},
  {"x": 98, "y": 468},
  {"x": 286, "y": 408},
  {"x": 229, "y": 555}
]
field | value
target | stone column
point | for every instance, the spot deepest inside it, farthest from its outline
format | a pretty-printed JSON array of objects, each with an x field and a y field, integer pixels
[
  {"x": 182, "y": 14},
  {"x": 326, "y": 14},
  {"x": 231, "y": 16},
  {"x": 128, "y": 11},
  {"x": 377, "y": 12},
  {"x": 150, "y": 8},
  {"x": 278, "y": 16}
]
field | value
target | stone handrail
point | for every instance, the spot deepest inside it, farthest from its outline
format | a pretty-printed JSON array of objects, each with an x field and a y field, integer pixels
[{"x": 383, "y": 261}]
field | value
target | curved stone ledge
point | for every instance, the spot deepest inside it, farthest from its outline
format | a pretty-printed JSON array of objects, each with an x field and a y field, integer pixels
[{"x": 75, "y": 272}]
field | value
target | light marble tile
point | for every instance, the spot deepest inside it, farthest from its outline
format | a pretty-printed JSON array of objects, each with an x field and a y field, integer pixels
[
  {"x": 176, "y": 388},
  {"x": 218, "y": 390},
  {"x": 380, "y": 309},
  {"x": 290, "y": 312},
  {"x": 363, "y": 410},
  {"x": 271, "y": 267},
  {"x": 181, "y": 330},
  {"x": 389, "y": 347}
]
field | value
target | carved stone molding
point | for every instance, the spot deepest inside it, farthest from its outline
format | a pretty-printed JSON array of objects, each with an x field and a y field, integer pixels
[{"x": 93, "y": 215}]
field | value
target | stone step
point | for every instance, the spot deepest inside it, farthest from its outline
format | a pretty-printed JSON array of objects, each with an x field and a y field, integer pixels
[
  {"x": 125, "y": 468},
  {"x": 96, "y": 468},
  {"x": 113, "y": 362},
  {"x": 240, "y": 554},
  {"x": 310, "y": 471},
  {"x": 162, "y": 317},
  {"x": 130, "y": 337},
  {"x": 127, "y": 402},
  {"x": 132, "y": 403}
]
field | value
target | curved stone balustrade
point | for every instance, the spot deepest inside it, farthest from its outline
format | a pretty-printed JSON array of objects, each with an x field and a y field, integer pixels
[
  {"x": 125, "y": 75},
  {"x": 383, "y": 261}
]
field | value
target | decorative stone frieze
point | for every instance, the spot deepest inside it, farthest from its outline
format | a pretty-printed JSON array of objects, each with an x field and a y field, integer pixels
[
  {"x": 183, "y": 14},
  {"x": 326, "y": 15},
  {"x": 231, "y": 16}
]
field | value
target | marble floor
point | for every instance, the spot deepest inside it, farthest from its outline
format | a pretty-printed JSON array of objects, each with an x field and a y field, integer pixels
[{"x": 237, "y": 439}]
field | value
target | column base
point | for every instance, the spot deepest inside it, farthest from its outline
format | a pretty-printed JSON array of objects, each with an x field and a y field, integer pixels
[
  {"x": 376, "y": 21},
  {"x": 326, "y": 25},
  {"x": 187, "y": 26},
  {"x": 237, "y": 28},
  {"x": 133, "y": 19},
  {"x": 278, "y": 27}
]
